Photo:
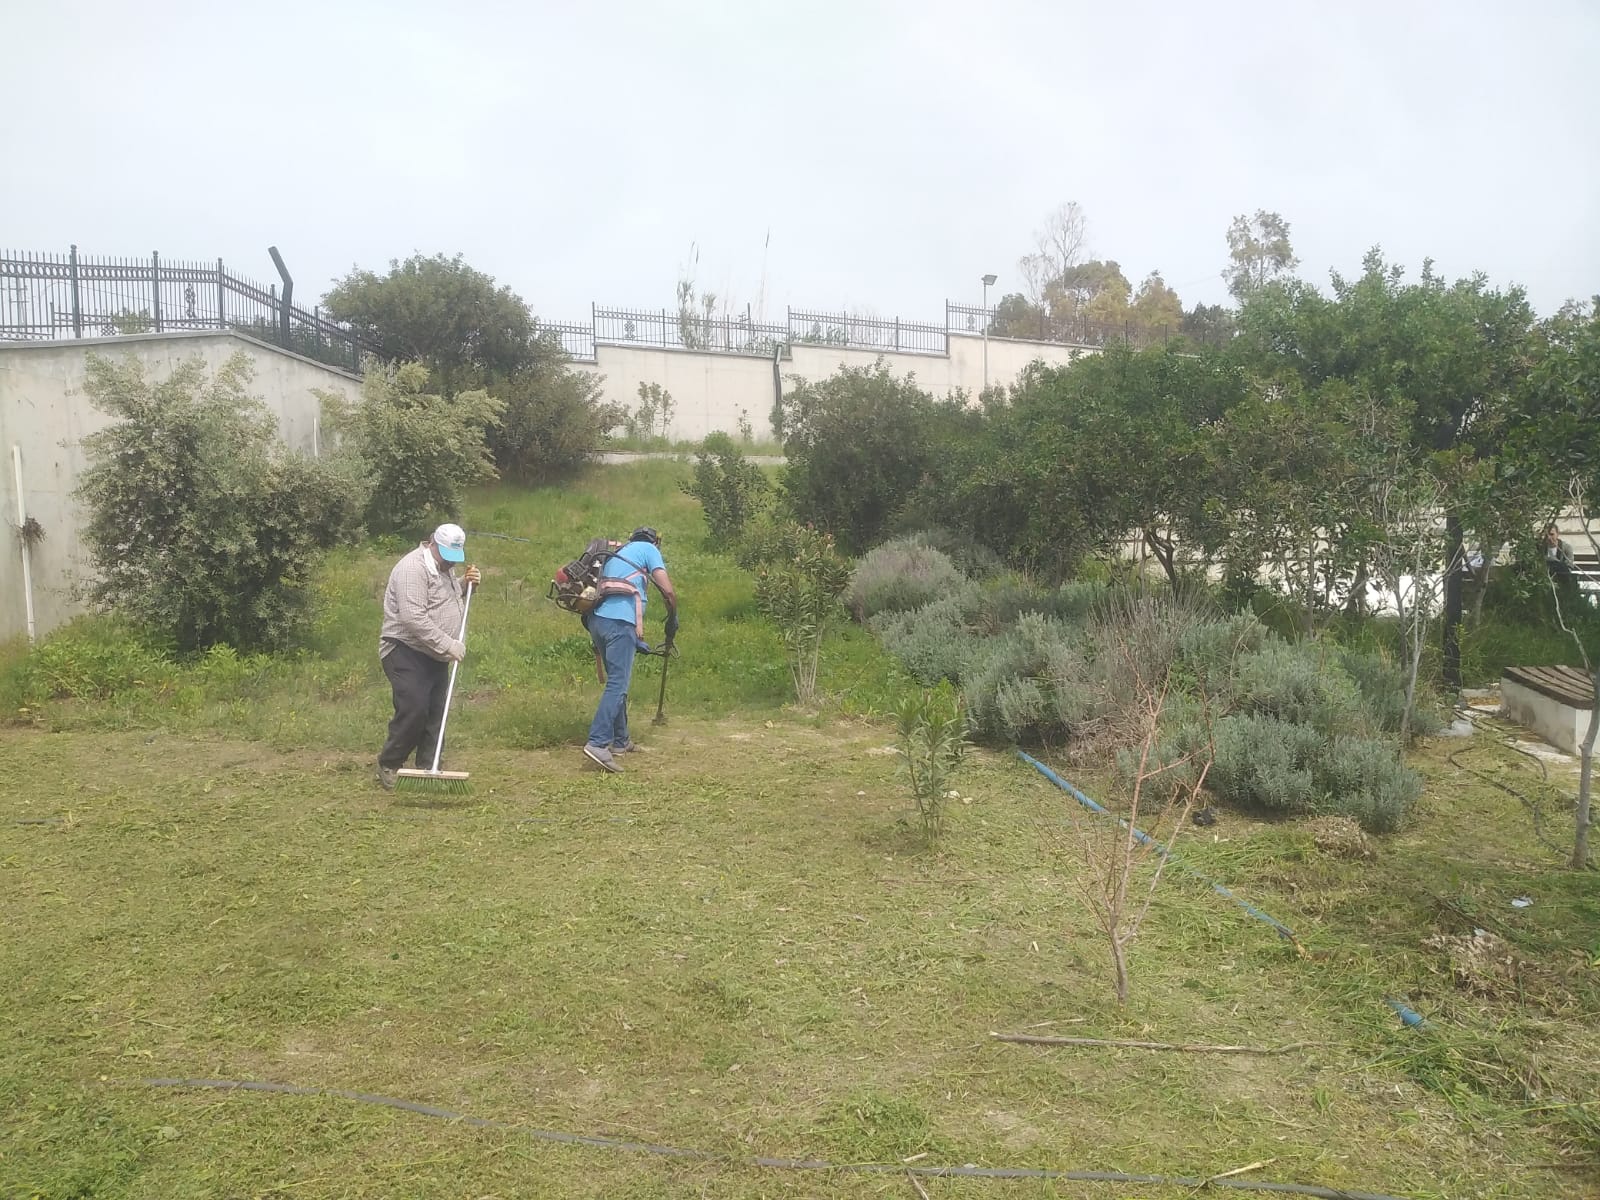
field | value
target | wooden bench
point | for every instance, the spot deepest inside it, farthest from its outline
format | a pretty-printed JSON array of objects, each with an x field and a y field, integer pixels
[{"x": 1554, "y": 702}]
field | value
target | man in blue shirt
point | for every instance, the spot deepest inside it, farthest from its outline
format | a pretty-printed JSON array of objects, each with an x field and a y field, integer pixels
[{"x": 616, "y": 627}]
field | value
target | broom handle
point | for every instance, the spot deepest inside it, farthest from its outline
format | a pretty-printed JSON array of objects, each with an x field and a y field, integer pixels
[{"x": 438, "y": 746}]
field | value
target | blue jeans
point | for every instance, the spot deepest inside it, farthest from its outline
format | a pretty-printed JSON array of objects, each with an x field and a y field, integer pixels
[{"x": 617, "y": 643}]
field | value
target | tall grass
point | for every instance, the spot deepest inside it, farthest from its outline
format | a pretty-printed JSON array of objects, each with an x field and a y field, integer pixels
[{"x": 528, "y": 679}]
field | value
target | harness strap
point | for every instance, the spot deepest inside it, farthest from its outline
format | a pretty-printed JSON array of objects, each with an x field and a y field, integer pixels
[{"x": 638, "y": 572}]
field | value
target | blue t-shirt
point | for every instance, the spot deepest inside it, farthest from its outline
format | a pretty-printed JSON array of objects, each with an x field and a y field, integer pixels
[{"x": 643, "y": 556}]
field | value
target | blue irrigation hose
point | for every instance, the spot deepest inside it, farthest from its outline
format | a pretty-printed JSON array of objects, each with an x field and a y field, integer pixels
[
  {"x": 1410, "y": 1018},
  {"x": 1283, "y": 930}
]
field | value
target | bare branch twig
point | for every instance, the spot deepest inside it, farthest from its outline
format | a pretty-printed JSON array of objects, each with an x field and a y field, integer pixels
[{"x": 1032, "y": 1039}]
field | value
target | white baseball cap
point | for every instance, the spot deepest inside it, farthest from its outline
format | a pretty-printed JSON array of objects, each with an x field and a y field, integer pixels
[{"x": 451, "y": 541}]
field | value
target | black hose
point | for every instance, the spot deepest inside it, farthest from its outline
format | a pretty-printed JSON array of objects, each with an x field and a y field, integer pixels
[
  {"x": 1534, "y": 807},
  {"x": 791, "y": 1164}
]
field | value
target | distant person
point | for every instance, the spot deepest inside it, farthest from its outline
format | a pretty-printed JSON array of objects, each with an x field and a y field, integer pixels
[
  {"x": 422, "y": 608},
  {"x": 616, "y": 630},
  {"x": 1557, "y": 555}
]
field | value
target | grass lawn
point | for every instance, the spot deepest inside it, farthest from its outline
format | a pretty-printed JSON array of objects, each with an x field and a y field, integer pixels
[{"x": 739, "y": 946}]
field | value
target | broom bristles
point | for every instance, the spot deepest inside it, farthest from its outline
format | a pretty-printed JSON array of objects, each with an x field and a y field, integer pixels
[{"x": 438, "y": 783}]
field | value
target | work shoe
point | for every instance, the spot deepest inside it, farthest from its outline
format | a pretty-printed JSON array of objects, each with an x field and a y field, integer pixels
[
  {"x": 601, "y": 756},
  {"x": 627, "y": 747},
  {"x": 386, "y": 777}
]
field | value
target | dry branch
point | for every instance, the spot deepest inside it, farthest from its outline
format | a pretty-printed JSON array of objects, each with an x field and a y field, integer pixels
[{"x": 1032, "y": 1039}]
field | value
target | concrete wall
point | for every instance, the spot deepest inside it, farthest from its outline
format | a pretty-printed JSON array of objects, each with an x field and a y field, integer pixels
[
  {"x": 712, "y": 391},
  {"x": 44, "y": 411}
]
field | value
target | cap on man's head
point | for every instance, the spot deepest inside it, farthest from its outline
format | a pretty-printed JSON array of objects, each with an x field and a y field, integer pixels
[
  {"x": 451, "y": 541},
  {"x": 645, "y": 534}
]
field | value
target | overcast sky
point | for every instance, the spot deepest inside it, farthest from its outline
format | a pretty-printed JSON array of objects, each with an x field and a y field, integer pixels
[{"x": 868, "y": 154}]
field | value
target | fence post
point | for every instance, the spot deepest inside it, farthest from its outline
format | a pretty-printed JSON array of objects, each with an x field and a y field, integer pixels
[
  {"x": 77, "y": 308},
  {"x": 316, "y": 327},
  {"x": 155, "y": 288},
  {"x": 222, "y": 298},
  {"x": 897, "y": 333}
]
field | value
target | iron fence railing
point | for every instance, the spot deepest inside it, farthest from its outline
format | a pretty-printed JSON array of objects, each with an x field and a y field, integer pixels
[
  {"x": 867, "y": 333},
  {"x": 577, "y": 340},
  {"x": 50, "y": 296},
  {"x": 45, "y": 296},
  {"x": 1039, "y": 326},
  {"x": 683, "y": 329}
]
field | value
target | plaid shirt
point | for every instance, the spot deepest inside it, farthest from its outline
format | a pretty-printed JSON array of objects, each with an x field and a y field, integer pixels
[{"x": 422, "y": 607}]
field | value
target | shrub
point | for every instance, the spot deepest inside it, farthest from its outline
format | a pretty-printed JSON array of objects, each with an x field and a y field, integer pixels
[
  {"x": 1302, "y": 683},
  {"x": 770, "y": 536},
  {"x": 1009, "y": 596},
  {"x": 1382, "y": 685},
  {"x": 91, "y": 659},
  {"x": 1264, "y": 762},
  {"x": 800, "y": 594},
  {"x": 729, "y": 489},
  {"x": 1209, "y": 653},
  {"x": 554, "y": 419},
  {"x": 933, "y": 740},
  {"x": 1030, "y": 683},
  {"x": 1135, "y": 639},
  {"x": 656, "y": 406},
  {"x": 202, "y": 527},
  {"x": 934, "y": 642},
  {"x": 971, "y": 557},
  {"x": 420, "y": 451},
  {"x": 1365, "y": 779},
  {"x": 899, "y": 576},
  {"x": 858, "y": 443}
]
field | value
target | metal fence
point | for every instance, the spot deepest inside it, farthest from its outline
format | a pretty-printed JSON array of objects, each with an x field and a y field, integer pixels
[
  {"x": 681, "y": 329},
  {"x": 45, "y": 296},
  {"x": 49, "y": 296},
  {"x": 867, "y": 333},
  {"x": 675, "y": 329},
  {"x": 1039, "y": 326}
]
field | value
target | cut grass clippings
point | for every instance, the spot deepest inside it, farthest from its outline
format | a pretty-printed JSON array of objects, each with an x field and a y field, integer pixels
[{"x": 738, "y": 946}]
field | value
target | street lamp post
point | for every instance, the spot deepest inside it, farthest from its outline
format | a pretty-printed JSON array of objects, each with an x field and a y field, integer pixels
[{"x": 987, "y": 280}]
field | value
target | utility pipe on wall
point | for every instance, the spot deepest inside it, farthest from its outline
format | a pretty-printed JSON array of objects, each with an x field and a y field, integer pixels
[{"x": 22, "y": 535}]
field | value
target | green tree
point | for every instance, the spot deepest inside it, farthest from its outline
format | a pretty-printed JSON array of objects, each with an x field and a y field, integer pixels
[
  {"x": 419, "y": 450},
  {"x": 858, "y": 444},
  {"x": 1453, "y": 354},
  {"x": 1156, "y": 311},
  {"x": 1258, "y": 252},
  {"x": 1084, "y": 456},
  {"x": 729, "y": 489},
  {"x": 1210, "y": 324},
  {"x": 1016, "y": 317},
  {"x": 1558, "y": 444},
  {"x": 442, "y": 312},
  {"x": 201, "y": 525},
  {"x": 799, "y": 590},
  {"x": 555, "y": 419}
]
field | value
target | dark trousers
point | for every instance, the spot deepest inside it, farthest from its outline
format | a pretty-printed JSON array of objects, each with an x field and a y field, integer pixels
[{"x": 419, "y": 684}]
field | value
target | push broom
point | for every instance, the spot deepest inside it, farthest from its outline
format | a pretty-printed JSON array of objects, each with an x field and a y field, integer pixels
[{"x": 434, "y": 781}]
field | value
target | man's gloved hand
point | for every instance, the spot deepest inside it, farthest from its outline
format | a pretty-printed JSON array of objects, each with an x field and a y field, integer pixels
[
  {"x": 672, "y": 627},
  {"x": 471, "y": 577},
  {"x": 458, "y": 651},
  {"x": 640, "y": 646}
]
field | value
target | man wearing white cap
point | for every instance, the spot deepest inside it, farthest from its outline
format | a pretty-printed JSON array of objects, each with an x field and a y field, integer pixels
[{"x": 422, "y": 608}]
